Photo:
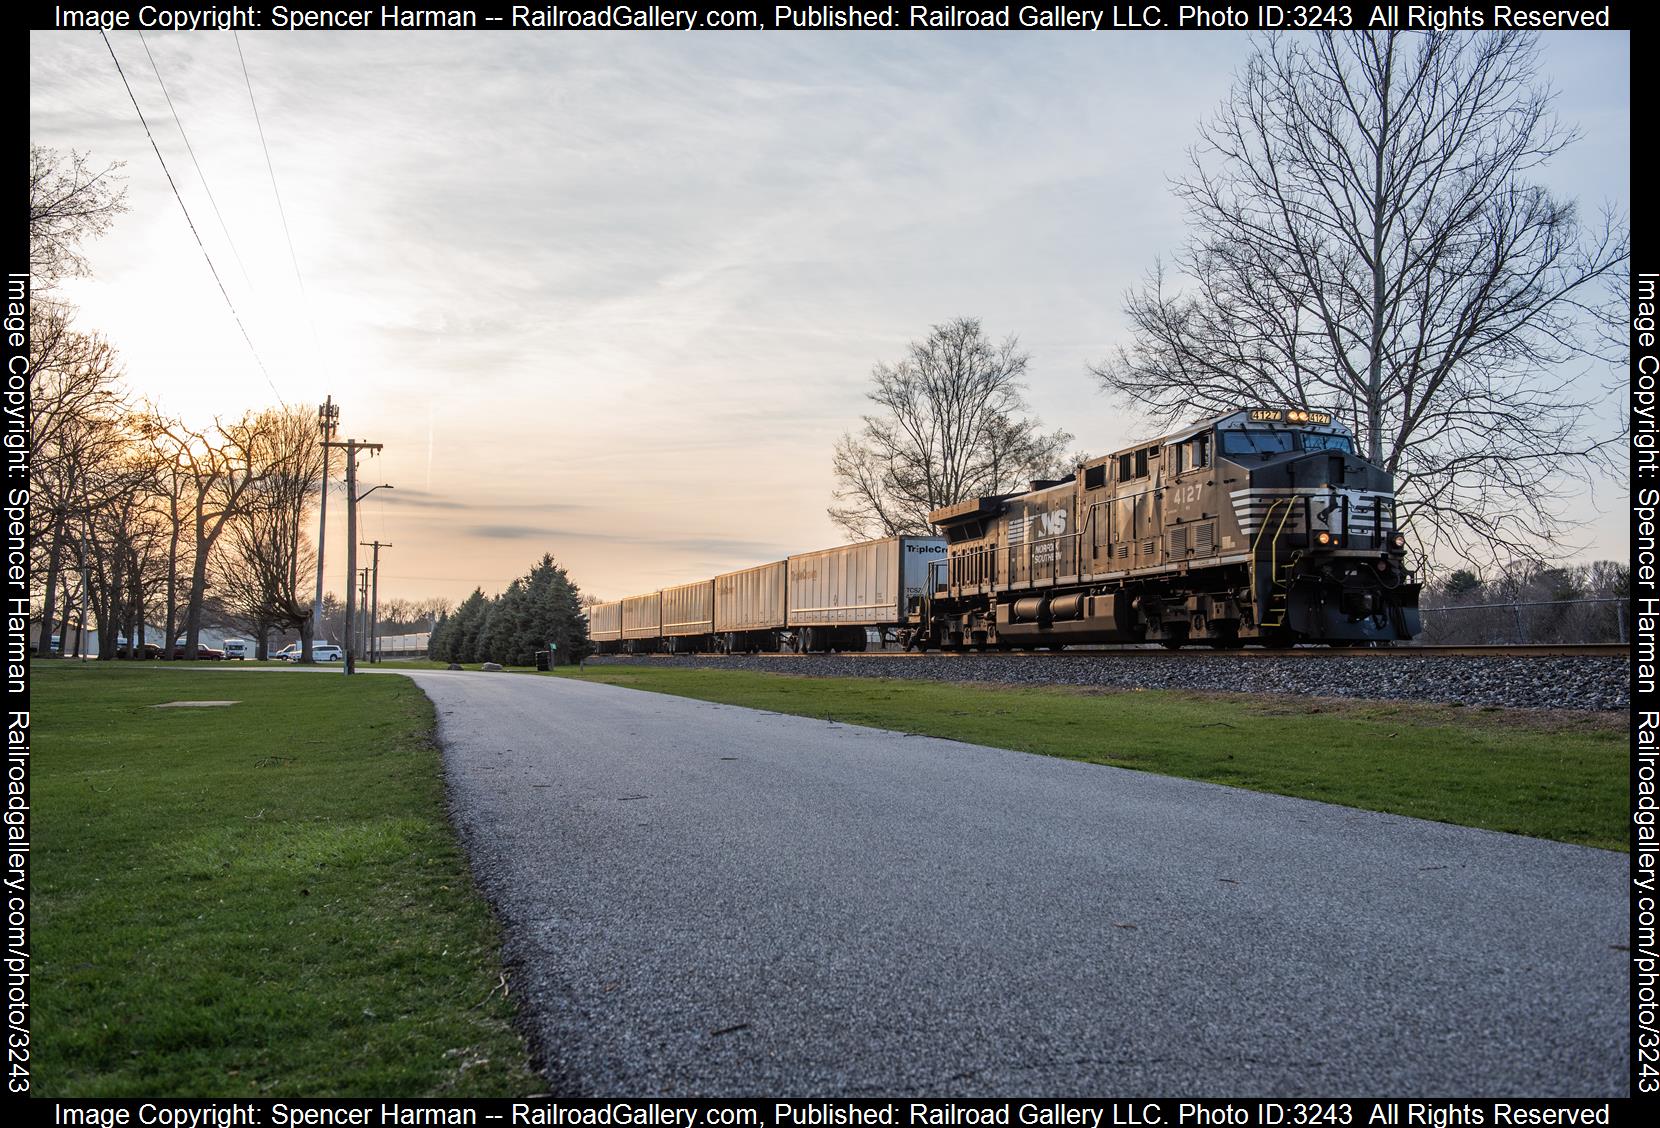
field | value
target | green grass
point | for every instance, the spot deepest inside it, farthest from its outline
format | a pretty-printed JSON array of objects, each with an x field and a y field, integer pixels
[
  {"x": 262, "y": 900},
  {"x": 1558, "y": 775}
]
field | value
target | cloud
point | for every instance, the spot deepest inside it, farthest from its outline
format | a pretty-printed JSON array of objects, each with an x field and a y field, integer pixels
[
  {"x": 724, "y": 547},
  {"x": 427, "y": 499},
  {"x": 514, "y": 532}
]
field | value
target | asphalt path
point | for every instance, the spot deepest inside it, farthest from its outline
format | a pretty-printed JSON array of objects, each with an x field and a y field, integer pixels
[{"x": 705, "y": 900}]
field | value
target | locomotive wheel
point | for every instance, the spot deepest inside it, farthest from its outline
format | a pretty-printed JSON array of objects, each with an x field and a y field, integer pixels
[{"x": 1227, "y": 640}]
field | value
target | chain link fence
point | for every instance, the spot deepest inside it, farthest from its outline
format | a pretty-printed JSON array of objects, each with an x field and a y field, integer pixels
[{"x": 1534, "y": 621}]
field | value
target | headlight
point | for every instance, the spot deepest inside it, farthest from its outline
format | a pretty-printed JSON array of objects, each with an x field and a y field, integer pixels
[
  {"x": 1325, "y": 538},
  {"x": 1398, "y": 540}
]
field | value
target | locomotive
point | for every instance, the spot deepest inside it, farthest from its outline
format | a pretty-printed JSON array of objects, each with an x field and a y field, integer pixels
[{"x": 1260, "y": 526}]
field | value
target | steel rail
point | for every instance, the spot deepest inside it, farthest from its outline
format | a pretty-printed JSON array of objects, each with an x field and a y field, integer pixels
[{"x": 1567, "y": 650}]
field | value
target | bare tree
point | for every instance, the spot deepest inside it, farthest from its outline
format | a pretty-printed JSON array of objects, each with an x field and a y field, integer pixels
[
  {"x": 220, "y": 468},
  {"x": 76, "y": 411},
  {"x": 262, "y": 574},
  {"x": 116, "y": 534},
  {"x": 69, "y": 201},
  {"x": 1364, "y": 233},
  {"x": 952, "y": 425}
]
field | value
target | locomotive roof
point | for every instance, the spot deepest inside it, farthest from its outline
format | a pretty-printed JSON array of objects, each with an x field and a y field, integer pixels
[{"x": 1242, "y": 418}]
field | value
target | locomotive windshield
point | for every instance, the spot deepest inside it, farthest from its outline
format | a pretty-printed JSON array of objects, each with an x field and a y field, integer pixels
[
  {"x": 1278, "y": 442},
  {"x": 1312, "y": 441},
  {"x": 1256, "y": 442}
]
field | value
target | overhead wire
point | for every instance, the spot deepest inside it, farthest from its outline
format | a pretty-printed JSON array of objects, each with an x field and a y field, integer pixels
[
  {"x": 171, "y": 183},
  {"x": 200, "y": 172},
  {"x": 282, "y": 213}
]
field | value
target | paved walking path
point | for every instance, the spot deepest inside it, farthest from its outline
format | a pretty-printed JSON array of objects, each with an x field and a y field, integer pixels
[{"x": 701, "y": 899}]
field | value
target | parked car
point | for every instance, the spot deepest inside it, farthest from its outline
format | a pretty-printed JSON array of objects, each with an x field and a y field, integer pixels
[
  {"x": 146, "y": 650},
  {"x": 238, "y": 648},
  {"x": 320, "y": 652},
  {"x": 203, "y": 653}
]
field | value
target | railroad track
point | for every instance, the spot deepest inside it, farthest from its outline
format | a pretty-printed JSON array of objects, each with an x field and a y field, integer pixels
[{"x": 1575, "y": 650}]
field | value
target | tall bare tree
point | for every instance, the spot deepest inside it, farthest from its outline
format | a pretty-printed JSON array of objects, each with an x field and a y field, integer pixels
[
  {"x": 263, "y": 574},
  {"x": 221, "y": 468},
  {"x": 75, "y": 427},
  {"x": 116, "y": 530},
  {"x": 1365, "y": 236},
  {"x": 952, "y": 424}
]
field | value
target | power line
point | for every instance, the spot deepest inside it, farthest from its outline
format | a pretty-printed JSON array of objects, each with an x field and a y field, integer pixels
[
  {"x": 191, "y": 149},
  {"x": 305, "y": 299},
  {"x": 190, "y": 222}
]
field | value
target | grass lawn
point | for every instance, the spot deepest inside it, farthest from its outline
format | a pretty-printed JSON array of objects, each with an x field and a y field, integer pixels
[
  {"x": 264, "y": 899},
  {"x": 1559, "y": 774}
]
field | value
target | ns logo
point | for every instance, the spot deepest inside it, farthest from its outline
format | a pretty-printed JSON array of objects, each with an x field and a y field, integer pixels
[{"x": 1039, "y": 526}]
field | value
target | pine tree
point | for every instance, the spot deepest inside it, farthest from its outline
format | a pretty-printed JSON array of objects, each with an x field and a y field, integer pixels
[
  {"x": 553, "y": 613},
  {"x": 501, "y": 638},
  {"x": 453, "y": 642}
]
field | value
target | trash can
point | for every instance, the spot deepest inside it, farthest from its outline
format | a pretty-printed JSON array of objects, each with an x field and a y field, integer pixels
[{"x": 543, "y": 660}]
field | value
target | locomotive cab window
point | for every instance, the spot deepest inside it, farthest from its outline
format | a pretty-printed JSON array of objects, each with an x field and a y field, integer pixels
[
  {"x": 1095, "y": 476},
  {"x": 1257, "y": 442},
  {"x": 1124, "y": 474},
  {"x": 1313, "y": 441},
  {"x": 1193, "y": 454},
  {"x": 1141, "y": 463}
]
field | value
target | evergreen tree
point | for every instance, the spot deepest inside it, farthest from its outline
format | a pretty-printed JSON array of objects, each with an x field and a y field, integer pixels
[
  {"x": 539, "y": 608},
  {"x": 500, "y": 639},
  {"x": 438, "y": 642},
  {"x": 467, "y": 645},
  {"x": 553, "y": 614},
  {"x": 450, "y": 640}
]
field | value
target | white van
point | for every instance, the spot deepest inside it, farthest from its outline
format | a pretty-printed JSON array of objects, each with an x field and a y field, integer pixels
[{"x": 238, "y": 648}]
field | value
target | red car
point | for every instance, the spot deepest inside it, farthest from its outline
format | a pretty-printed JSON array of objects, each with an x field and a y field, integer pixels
[{"x": 203, "y": 653}]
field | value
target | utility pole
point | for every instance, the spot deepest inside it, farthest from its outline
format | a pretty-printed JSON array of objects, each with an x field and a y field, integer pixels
[
  {"x": 328, "y": 418},
  {"x": 363, "y": 613},
  {"x": 374, "y": 601},
  {"x": 351, "y": 447}
]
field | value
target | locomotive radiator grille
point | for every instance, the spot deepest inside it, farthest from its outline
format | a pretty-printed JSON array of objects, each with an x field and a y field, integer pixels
[{"x": 1196, "y": 539}]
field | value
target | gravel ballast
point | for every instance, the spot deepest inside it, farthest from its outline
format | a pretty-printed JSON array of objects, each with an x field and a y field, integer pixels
[{"x": 1590, "y": 683}]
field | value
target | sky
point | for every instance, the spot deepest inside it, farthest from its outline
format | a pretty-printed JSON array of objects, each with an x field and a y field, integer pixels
[{"x": 614, "y": 296}]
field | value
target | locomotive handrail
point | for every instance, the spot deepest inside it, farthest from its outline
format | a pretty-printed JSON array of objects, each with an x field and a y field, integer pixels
[{"x": 1273, "y": 545}]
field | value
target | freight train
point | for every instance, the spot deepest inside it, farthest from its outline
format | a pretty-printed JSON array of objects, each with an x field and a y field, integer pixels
[{"x": 1258, "y": 526}]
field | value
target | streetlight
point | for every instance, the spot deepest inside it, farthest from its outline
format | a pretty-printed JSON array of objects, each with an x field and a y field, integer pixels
[{"x": 350, "y": 662}]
